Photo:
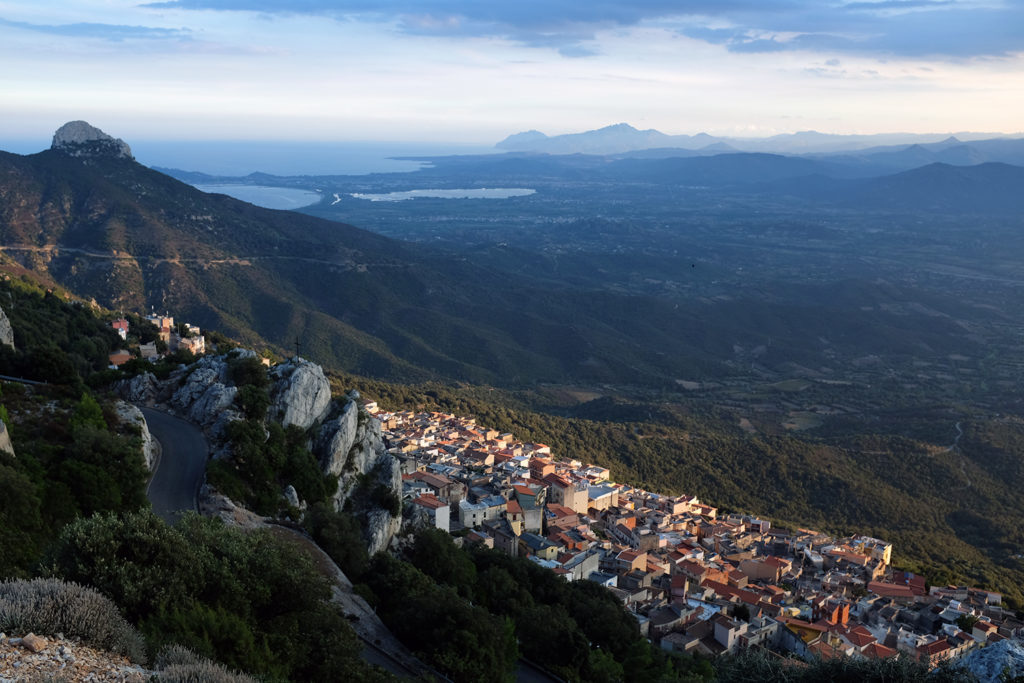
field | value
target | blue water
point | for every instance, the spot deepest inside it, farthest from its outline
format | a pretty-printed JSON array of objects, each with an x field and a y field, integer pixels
[
  {"x": 240, "y": 158},
  {"x": 236, "y": 158},
  {"x": 267, "y": 197},
  {"x": 478, "y": 193}
]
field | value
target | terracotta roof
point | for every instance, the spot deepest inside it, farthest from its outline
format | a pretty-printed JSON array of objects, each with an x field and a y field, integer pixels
[
  {"x": 860, "y": 636},
  {"x": 429, "y": 500},
  {"x": 878, "y": 651},
  {"x": 890, "y": 590}
]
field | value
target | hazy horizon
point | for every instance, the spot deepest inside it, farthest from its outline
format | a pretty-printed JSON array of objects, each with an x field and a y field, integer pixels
[
  {"x": 474, "y": 73},
  {"x": 237, "y": 157}
]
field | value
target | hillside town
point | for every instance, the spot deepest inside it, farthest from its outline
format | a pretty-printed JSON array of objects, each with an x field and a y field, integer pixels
[
  {"x": 170, "y": 338},
  {"x": 697, "y": 581}
]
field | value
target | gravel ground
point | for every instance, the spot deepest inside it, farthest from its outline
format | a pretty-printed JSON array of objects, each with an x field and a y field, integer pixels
[{"x": 59, "y": 659}]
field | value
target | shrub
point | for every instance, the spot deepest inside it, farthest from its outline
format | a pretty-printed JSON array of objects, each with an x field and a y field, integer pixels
[
  {"x": 177, "y": 664},
  {"x": 52, "y": 606}
]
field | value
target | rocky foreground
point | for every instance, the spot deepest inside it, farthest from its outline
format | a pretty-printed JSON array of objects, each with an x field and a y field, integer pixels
[{"x": 42, "y": 658}]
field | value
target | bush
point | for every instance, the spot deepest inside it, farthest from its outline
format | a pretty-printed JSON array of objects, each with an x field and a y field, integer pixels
[
  {"x": 177, "y": 664},
  {"x": 248, "y": 371},
  {"x": 339, "y": 535},
  {"x": 51, "y": 606},
  {"x": 244, "y": 598}
]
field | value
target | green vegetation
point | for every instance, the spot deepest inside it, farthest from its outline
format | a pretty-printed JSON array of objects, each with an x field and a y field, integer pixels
[
  {"x": 241, "y": 598},
  {"x": 68, "y": 464},
  {"x": 264, "y": 460},
  {"x": 55, "y": 341},
  {"x": 465, "y": 612}
]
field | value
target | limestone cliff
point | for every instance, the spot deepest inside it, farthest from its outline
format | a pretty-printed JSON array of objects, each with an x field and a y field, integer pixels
[
  {"x": 80, "y": 139},
  {"x": 206, "y": 395},
  {"x": 350, "y": 446},
  {"x": 6, "y": 332},
  {"x": 131, "y": 415},
  {"x": 5, "y": 439},
  {"x": 344, "y": 437},
  {"x": 300, "y": 394}
]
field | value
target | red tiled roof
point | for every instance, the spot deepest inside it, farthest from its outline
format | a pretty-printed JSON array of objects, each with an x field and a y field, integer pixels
[
  {"x": 878, "y": 651},
  {"x": 890, "y": 590},
  {"x": 429, "y": 500},
  {"x": 860, "y": 636}
]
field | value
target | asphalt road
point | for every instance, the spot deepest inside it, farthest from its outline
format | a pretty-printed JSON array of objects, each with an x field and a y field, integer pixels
[{"x": 174, "y": 488}]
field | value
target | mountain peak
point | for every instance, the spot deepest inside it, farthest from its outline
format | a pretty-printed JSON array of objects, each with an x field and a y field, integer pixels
[{"x": 79, "y": 139}]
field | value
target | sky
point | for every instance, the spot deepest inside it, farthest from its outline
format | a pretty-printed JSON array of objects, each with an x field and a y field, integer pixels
[{"x": 474, "y": 71}]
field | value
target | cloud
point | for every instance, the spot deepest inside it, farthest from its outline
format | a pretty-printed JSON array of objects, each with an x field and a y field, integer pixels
[
  {"x": 111, "y": 32},
  {"x": 945, "y": 28}
]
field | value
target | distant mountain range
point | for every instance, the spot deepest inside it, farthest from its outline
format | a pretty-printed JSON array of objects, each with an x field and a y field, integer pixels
[{"x": 622, "y": 138}]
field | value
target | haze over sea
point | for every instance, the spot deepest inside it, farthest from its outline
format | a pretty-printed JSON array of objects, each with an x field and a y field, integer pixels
[{"x": 242, "y": 157}]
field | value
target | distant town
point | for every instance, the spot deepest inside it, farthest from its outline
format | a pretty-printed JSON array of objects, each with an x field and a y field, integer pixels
[{"x": 696, "y": 581}]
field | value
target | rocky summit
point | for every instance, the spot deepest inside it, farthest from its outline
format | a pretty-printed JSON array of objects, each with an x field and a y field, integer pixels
[{"x": 80, "y": 139}]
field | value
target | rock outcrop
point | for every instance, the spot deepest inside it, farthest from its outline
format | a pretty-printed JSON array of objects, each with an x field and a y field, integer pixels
[
  {"x": 6, "y": 331},
  {"x": 79, "y": 139},
  {"x": 206, "y": 397},
  {"x": 344, "y": 437},
  {"x": 351, "y": 447},
  {"x": 5, "y": 439},
  {"x": 336, "y": 438},
  {"x": 300, "y": 394},
  {"x": 129, "y": 414},
  {"x": 140, "y": 389},
  {"x": 382, "y": 525},
  {"x": 997, "y": 662}
]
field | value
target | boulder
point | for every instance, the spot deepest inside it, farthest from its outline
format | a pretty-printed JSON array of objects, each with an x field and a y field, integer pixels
[
  {"x": 300, "y": 394},
  {"x": 6, "y": 331},
  {"x": 291, "y": 496},
  {"x": 34, "y": 643}
]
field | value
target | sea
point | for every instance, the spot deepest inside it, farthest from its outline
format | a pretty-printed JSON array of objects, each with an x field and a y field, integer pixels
[{"x": 240, "y": 158}]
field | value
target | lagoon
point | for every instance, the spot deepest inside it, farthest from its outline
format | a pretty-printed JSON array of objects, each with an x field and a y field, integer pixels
[
  {"x": 478, "y": 193},
  {"x": 267, "y": 197}
]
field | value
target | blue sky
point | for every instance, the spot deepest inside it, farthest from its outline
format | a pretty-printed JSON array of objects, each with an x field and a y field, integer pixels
[{"x": 475, "y": 71}]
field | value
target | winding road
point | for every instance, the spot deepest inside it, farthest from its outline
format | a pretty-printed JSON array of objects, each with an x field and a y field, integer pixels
[{"x": 174, "y": 488}]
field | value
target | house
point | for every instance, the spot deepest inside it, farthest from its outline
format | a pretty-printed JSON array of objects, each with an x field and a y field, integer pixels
[
  {"x": 472, "y": 515},
  {"x": 630, "y": 560},
  {"x": 121, "y": 326},
  {"x": 728, "y": 631},
  {"x": 119, "y": 358},
  {"x": 476, "y": 537},
  {"x": 572, "y": 495},
  {"x": 443, "y": 487},
  {"x": 433, "y": 509},
  {"x": 602, "y": 497},
  {"x": 515, "y": 516},
  {"x": 506, "y": 539},
  {"x": 532, "y": 544}
]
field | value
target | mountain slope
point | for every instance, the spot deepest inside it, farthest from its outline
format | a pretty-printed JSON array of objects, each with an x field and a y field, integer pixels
[{"x": 109, "y": 228}]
